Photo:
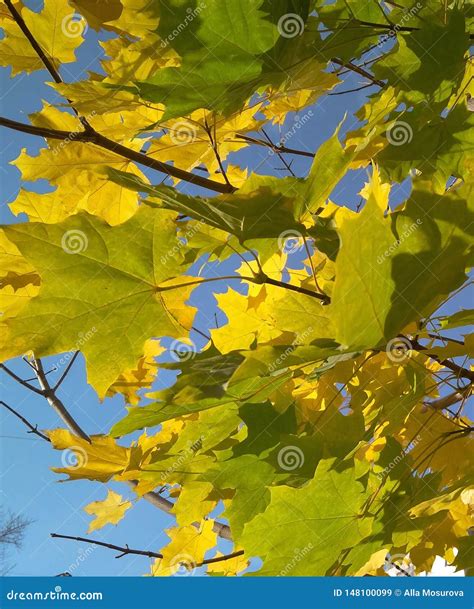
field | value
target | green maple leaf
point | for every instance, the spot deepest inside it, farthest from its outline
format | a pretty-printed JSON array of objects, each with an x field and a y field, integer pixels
[
  {"x": 231, "y": 37},
  {"x": 428, "y": 63},
  {"x": 101, "y": 290},
  {"x": 391, "y": 271},
  {"x": 321, "y": 520},
  {"x": 257, "y": 210}
]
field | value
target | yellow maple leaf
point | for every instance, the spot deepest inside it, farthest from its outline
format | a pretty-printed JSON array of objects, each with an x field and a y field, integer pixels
[
  {"x": 57, "y": 28},
  {"x": 186, "y": 550},
  {"x": 99, "y": 460},
  {"x": 229, "y": 567},
  {"x": 109, "y": 511},
  {"x": 188, "y": 140},
  {"x": 140, "y": 376}
]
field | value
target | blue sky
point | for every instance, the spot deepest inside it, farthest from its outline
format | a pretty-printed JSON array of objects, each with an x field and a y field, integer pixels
[{"x": 27, "y": 484}]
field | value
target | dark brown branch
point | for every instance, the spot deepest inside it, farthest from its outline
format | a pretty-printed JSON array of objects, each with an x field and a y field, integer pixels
[
  {"x": 446, "y": 338},
  {"x": 127, "y": 550},
  {"x": 124, "y": 550},
  {"x": 31, "y": 39},
  {"x": 275, "y": 148},
  {"x": 92, "y": 137},
  {"x": 295, "y": 288},
  {"x": 43, "y": 57},
  {"x": 447, "y": 363},
  {"x": 33, "y": 428},
  {"x": 358, "y": 70},
  {"x": 354, "y": 90}
]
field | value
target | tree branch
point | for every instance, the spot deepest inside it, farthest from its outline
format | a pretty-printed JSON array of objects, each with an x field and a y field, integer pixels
[
  {"x": 64, "y": 374},
  {"x": 92, "y": 137},
  {"x": 127, "y": 550},
  {"x": 223, "y": 530},
  {"x": 43, "y": 57},
  {"x": 32, "y": 428},
  {"x": 446, "y": 401},
  {"x": 124, "y": 550},
  {"x": 459, "y": 370},
  {"x": 274, "y": 147},
  {"x": 19, "y": 380},
  {"x": 358, "y": 70},
  {"x": 56, "y": 403}
]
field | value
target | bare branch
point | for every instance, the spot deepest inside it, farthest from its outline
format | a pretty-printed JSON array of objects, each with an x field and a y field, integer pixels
[
  {"x": 124, "y": 550},
  {"x": 22, "y": 382},
  {"x": 446, "y": 401},
  {"x": 56, "y": 403},
  {"x": 358, "y": 70},
  {"x": 64, "y": 374},
  {"x": 32, "y": 428},
  {"x": 223, "y": 530},
  {"x": 447, "y": 363}
]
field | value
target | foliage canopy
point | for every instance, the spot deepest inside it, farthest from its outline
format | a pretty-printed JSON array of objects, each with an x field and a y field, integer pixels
[{"x": 325, "y": 421}]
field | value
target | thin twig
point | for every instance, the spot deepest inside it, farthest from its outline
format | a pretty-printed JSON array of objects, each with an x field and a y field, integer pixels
[
  {"x": 469, "y": 374},
  {"x": 22, "y": 382},
  {"x": 124, "y": 550},
  {"x": 33, "y": 428},
  {"x": 64, "y": 374},
  {"x": 274, "y": 147},
  {"x": 358, "y": 70}
]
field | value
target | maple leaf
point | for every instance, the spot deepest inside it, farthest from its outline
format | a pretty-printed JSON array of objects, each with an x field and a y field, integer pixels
[
  {"x": 109, "y": 511},
  {"x": 56, "y": 28},
  {"x": 114, "y": 303}
]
